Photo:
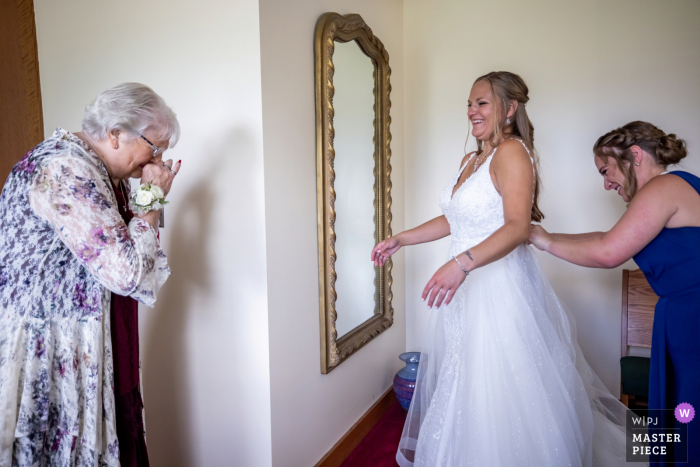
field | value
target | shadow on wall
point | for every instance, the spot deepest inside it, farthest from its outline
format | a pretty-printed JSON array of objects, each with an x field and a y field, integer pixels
[{"x": 168, "y": 357}]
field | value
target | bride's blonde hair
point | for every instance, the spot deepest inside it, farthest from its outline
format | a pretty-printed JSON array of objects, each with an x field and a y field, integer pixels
[{"x": 507, "y": 87}]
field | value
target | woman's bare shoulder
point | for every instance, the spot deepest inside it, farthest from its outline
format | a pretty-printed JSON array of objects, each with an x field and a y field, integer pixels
[
  {"x": 666, "y": 190},
  {"x": 511, "y": 147},
  {"x": 511, "y": 152},
  {"x": 666, "y": 183}
]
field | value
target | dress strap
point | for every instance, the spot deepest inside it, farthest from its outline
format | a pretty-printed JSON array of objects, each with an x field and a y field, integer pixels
[
  {"x": 532, "y": 160},
  {"x": 526, "y": 148},
  {"x": 688, "y": 177},
  {"x": 466, "y": 163}
]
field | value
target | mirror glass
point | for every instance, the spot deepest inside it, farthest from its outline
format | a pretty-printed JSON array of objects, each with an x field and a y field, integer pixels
[{"x": 353, "y": 122}]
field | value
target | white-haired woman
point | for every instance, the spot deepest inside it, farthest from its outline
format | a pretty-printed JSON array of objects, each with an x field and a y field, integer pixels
[{"x": 73, "y": 260}]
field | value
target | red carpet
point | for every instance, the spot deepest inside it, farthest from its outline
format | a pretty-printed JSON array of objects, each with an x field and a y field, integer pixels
[{"x": 378, "y": 449}]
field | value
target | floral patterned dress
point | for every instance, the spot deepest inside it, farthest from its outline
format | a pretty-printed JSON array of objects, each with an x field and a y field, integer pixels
[{"x": 63, "y": 248}]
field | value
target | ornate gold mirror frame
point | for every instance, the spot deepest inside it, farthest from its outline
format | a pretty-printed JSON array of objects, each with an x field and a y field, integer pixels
[{"x": 334, "y": 27}]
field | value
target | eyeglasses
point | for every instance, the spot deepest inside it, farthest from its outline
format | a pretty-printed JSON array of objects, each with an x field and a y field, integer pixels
[{"x": 156, "y": 149}]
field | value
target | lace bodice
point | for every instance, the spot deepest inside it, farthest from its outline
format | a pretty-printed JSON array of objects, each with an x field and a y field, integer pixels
[{"x": 476, "y": 209}]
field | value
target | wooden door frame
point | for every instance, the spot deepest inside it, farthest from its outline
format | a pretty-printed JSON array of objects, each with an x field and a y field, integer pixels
[{"x": 22, "y": 127}]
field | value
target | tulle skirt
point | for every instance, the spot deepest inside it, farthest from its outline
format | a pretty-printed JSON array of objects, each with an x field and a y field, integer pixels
[{"x": 503, "y": 382}]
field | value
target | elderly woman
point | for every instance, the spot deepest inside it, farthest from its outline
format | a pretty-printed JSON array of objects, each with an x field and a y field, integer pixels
[
  {"x": 73, "y": 262},
  {"x": 661, "y": 231}
]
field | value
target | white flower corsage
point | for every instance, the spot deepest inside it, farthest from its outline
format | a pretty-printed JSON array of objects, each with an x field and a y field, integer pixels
[{"x": 147, "y": 197}]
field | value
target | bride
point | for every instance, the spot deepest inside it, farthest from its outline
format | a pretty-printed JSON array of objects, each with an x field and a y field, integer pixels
[{"x": 502, "y": 380}]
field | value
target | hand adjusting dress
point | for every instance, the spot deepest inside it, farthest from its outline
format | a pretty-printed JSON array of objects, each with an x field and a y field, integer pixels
[
  {"x": 671, "y": 264},
  {"x": 502, "y": 381},
  {"x": 64, "y": 248}
]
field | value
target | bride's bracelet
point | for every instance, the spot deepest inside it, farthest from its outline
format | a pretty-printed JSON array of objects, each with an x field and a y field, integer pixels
[
  {"x": 460, "y": 265},
  {"x": 148, "y": 197}
]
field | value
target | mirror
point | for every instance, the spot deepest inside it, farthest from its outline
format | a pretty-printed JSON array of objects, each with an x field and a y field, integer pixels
[{"x": 353, "y": 184}]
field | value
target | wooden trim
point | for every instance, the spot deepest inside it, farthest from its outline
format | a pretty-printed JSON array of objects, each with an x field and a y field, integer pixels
[
  {"x": 641, "y": 303},
  {"x": 21, "y": 119},
  {"x": 625, "y": 286},
  {"x": 358, "y": 431},
  {"x": 624, "y": 398},
  {"x": 30, "y": 60}
]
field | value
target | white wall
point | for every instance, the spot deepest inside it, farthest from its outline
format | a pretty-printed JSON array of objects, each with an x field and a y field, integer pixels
[
  {"x": 208, "y": 352},
  {"x": 205, "y": 345},
  {"x": 311, "y": 411},
  {"x": 591, "y": 66}
]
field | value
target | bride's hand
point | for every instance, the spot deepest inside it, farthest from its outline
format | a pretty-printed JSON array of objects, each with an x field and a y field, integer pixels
[
  {"x": 539, "y": 237},
  {"x": 444, "y": 284},
  {"x": 384, "y": 249}
]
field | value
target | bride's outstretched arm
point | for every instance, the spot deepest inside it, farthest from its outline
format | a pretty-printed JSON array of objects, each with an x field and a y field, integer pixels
[
  {"x": 514, "y": 179},
  {"x": 434, "y": 229}
]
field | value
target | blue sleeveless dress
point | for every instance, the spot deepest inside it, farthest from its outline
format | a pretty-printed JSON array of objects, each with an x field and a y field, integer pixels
[{"x": 671, "y": 264}]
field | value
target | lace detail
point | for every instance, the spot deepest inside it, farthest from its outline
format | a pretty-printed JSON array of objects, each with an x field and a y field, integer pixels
[
  {"x": 70, "y": 194},
  {"x": 475, "y": 211}
]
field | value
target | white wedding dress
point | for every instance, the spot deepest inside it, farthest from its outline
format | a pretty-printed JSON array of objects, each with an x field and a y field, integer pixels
[{"x": 502, "y": 381}]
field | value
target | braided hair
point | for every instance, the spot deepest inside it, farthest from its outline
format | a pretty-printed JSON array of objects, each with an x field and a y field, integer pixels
[{"x": 666, "y": 149}]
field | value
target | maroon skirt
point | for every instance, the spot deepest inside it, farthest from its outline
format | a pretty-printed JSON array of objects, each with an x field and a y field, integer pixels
[{"x": 124, "y": 319}]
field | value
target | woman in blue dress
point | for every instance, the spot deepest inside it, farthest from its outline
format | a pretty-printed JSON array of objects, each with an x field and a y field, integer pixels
[{"x": 661, "y": 231}]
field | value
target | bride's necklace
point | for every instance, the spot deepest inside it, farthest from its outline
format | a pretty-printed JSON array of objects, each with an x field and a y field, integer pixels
[{"x": 477, "y": 162}]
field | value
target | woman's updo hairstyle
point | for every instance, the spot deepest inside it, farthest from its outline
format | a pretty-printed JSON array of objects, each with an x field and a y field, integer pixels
[
  {"x": 507, "y": 87},
  {"x": 131, "y": 107},
  {"x": 666, "y": 149}
]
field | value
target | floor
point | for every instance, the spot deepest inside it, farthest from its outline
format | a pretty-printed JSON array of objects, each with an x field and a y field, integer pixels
[{"x": 378, "y": 448}]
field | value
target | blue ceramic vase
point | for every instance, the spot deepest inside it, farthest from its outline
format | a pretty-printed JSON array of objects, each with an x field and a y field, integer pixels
[{"x": 405, "y": 379}]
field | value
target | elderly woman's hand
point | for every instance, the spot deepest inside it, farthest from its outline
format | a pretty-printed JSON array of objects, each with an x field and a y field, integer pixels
[{"x": 158, "y": 174}]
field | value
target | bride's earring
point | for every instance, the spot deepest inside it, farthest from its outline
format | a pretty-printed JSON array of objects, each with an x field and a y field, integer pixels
[{"x": 508, "y": 121}]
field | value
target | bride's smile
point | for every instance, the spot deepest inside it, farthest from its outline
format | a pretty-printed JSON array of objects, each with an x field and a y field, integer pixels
[{"x": 480, "y": 111}]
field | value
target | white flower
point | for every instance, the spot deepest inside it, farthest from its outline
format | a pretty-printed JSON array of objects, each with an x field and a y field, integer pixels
[
  {"x": 157, "y": 192},
  {"x": 144, "y": 198}
]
